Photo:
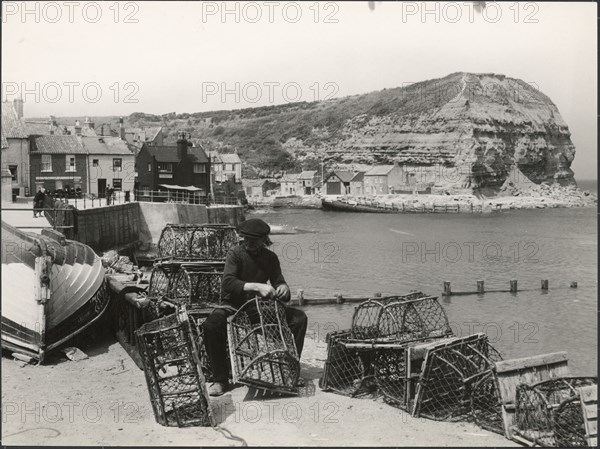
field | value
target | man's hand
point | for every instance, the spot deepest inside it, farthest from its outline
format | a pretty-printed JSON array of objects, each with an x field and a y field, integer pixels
[
  {"x": 282, "y": 292},
  {"x": 264, "y": 290}
]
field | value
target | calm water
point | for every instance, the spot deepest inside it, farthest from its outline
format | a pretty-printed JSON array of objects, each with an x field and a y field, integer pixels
[{"x": 360, "y": 254}]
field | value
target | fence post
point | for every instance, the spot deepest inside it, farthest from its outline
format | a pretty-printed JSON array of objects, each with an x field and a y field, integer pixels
[
  {"x": 544, "y": 284},
  {"x": 480, "y": 287},
  {"x": 513, "y": 286},
  {"x": 447, "y": 289},
  {"x": 300, "y": 297}
]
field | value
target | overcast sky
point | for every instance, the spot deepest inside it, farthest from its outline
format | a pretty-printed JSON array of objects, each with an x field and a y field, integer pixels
[{"x": 156, "y": 57}]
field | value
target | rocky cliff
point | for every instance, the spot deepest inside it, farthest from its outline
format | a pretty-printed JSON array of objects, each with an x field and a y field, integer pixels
[{"x": 463, "y": 131}]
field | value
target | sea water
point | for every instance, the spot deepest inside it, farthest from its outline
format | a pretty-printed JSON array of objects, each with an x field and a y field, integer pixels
[{"x": 359, "y": 254}]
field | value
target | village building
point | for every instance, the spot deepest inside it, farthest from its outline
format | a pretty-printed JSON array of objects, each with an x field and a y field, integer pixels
[
  {"x": 180, "y": 165},
  {"x": 15, "y": 154},
  {"x": 256, "y": 188},
  {"x": 289, "y": 184},
  {"x": 306, "y": 182},
  {"x": 338, "y": 182},
  {"x": 357, "y": 185},
  {"x": 381, "y": 179},
  {"x": 110, "y": 163},
  {"x": 58, "y": 163}
]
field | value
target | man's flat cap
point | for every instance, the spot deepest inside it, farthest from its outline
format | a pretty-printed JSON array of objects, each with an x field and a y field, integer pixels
[{"x": 254, "y": 227}]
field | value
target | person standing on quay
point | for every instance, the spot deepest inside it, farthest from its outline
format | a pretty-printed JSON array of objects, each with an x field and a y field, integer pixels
[
  {"x": 38, "y": 203},
  {"x": 248, "y": 268},
  {"x": 108, "y": 194}
]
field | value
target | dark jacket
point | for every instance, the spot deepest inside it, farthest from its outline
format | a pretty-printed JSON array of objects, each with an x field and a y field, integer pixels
[{"x": 241, "y": 267}]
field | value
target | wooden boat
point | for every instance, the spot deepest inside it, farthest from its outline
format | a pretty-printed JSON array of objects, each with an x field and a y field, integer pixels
[
  {"x": 52, "y": 289},
  {"x": 345, "y": 206}
]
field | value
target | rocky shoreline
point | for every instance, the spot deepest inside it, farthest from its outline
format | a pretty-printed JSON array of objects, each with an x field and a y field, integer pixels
[{"x": 535, "y": 197}]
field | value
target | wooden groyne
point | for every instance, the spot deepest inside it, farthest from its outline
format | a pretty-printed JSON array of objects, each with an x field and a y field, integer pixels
[{"x": 513, "y": 288}]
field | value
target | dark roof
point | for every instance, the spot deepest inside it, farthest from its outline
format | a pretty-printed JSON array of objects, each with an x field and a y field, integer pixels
[
  {"x": 106, "y": 145},
  {"x": 169, "y": 154},
  {"x": 379, "y": 170},
  {"x": 343, "y": 175},
  {"x": 358, "y": 177},
  {"x": 253, "y": 182},
  {"x": 59, "y": 145},
  {"x": 12, "y": 126},
  {"x": 163, "y": 154}
]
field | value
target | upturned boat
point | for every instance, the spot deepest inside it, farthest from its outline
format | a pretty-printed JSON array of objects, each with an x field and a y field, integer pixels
[{"x": 52, "y": 289}]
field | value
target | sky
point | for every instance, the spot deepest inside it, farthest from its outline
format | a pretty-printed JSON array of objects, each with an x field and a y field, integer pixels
[{"x": 115, "y": 58}]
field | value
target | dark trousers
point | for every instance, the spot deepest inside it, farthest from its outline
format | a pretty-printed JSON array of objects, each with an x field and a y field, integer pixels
[{"x": 215, "y": 338}]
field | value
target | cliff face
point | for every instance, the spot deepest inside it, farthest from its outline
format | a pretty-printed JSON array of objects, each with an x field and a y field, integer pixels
[
  {"x": 463, "y": 131},
  {"x": 479, "y": 127}
]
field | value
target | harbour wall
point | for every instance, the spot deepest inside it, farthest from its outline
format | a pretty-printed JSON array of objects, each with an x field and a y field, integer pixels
[{"x": 140, "y": 223}]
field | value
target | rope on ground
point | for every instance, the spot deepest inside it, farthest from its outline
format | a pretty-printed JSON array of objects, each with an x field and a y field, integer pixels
[
  {"x": 35, "y": 428},
  {"x": 230, "y": 436}
]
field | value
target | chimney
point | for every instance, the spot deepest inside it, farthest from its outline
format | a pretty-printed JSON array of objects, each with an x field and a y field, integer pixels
[
  {"x": 102, "y": 129},
  {"x": 182, "y": 145},
  {"x": 77, "y": 128},
  {"x": 18, "y": 105},
  {"x": 50, "y": 125},
  {"x": 89, "y": 123},
  {"x": 121, "y": 129}
]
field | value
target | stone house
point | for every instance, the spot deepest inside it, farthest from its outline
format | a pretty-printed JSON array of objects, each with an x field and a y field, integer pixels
[
  {"x": 357, "y": 186},
  {"x": 15, "y": 155},
  {"x": 306, "y": 182},
  {"x": 338, "y": 182},
  {"x": 381, "y": 179},
  {"x": 289, "y": 184}
]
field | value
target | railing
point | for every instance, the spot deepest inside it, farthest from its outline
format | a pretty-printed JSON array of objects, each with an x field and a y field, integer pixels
[{"x": 165, "y": 196}]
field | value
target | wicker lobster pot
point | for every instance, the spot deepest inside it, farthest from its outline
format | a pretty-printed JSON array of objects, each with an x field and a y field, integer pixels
[
  {"x": 206, "y": 241},
  {"x": 549, "y": 413},
  {"x": 262, "y": 348},
  {"x": 400, "y": 318},
  {"x": 197, "y": 283},
  {"x": 451, "y": 368},
  {"x": 375, "y": 352},
  {"x": 173, "y": 373}
]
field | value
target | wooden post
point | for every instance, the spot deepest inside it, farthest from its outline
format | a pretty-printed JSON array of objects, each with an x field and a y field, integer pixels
[
  {"x": 480, "y": 288},
  {"x": 544, "y": 284},
  {"x": 402, "y": 206},
  {"x": 574, "y": 284},
  {"x": 339, "y": 299},
  {"x": 300, "y": 297},
  {"x": 513, "y": 286},
  {"x": 447, "y": 289}
]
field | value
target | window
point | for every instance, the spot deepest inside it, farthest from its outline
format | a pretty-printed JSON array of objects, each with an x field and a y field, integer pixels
[
  {"x": 199, "y": 168},
  {"x": 70, "y": 163},
  {"x": 149, "y": 166},
  {"x": 224, "y": 167},
  {"x": 95, "y": 163},
  {"x": 146, "y": 190},
  {"x": 117, "y": 184},
  {"x": 46, "y": 162},
  {"x": 165, "y": 167},
  {"x": 13, "y": 172},
  {"x": 117, "y": 164}
]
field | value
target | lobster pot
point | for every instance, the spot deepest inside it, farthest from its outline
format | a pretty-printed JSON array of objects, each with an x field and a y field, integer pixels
[
  {"x": 347, "y": 370},
  {"x": 198, "y": 284},
  {"x": 406, "y": 318},
  {"x": 486, "y": 407},
  {"x": 450, "y": 369},
  {"x": 174, "y": 240},
  {"x": 206, "y": 241},
  {"x": 212, "y": 241},
  {"x": 158, "y": 288},
  {"x": 549, "y": 413},
  {"x": 197, "y": 317},
  {"x": 173, "y": 374},
  {"x": 262, "y": 348}
]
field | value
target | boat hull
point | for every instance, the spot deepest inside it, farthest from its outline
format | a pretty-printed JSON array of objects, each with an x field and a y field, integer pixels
[
  {"x": 52, "y": 289},
  {"x": 340, "y": 206}
]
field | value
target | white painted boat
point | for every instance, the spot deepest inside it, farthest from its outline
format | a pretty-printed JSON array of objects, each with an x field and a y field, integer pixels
[{"x": 52, "y": 289}]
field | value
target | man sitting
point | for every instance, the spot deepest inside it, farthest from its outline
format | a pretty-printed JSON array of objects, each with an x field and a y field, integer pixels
[{"x": 248, "y": 268}]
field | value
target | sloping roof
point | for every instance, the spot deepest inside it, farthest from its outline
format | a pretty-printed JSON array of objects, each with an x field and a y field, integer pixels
[
  {"x": 197, "y": 155},
  {"x": 163, "y": 154},
  {"x": 59, "y": 145},
  {"x": 253, "y": 182},
  {"x": 230, "y": 158},
  {"x": 106, "y": 145},
  {"x": 379, "y": 170},
  {"x": 307, "y": 174},
  {"x": 85, "y": 130},
  {"x": 12, "y": 127},
  {"x": 358, "y": 177},
  {"x": 290, "y": 177},
  {"x": 42, "y": 128},
  {"x": 215, "y": 156},
  {"x": 343, "y": 175},
  {"x": 169, "y": 154},
  {"x": 37, "y": 128}
]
